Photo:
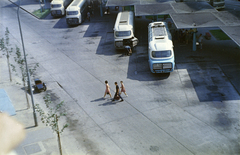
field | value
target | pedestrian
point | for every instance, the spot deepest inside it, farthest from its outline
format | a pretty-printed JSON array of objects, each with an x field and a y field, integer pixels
[
  {"x": 200, "y": 38},
  {"x": 88, "y": 16},
  {"x": 117, "y": 93},
  {"x": 107, "y": 91},
  {"x": 188, "y": 36},
  {"x": 180, "y": 35},
  {"x": 123, "y": 88},
  {"x": 128, "y": 50}
]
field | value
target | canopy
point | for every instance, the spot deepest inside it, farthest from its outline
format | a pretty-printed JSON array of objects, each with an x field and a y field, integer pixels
[{"x": 187, "y": 14}]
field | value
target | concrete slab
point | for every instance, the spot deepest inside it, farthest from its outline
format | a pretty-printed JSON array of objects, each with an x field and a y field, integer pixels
[
  {"x": 94, "y": 141},
  {"x": 232, "y": 32},
  {"x": 32, "y": 149},
  {"x": 191, "y": 131},
  {"x": 227, "y": 17},
  {"x": 210, "y": 83},
  {"x": 153, "y": 9},
  {"x": 143, "y": 136},
  {"x": 221, "y": 116},
  {"x": 192, "y": 7},
  {"x": 188, "y": 20},
  {"x": 32, "y": 142}
]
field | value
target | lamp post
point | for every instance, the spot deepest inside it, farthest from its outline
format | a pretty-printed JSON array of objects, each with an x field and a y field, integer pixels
[
  {"x": 28, "y": 75},
  {"x": 101, "y": 8},
  {"x": 40, "y": 1}
]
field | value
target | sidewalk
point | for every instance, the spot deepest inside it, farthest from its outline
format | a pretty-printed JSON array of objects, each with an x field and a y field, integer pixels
[
  {"x": 39, "y": 140},
  {"x": 31, "y": 5}
]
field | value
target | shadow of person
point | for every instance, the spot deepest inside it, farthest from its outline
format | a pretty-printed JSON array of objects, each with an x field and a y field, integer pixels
[
  {"x": 107, "y": 103},
  {"x": 99, "y": 99}
]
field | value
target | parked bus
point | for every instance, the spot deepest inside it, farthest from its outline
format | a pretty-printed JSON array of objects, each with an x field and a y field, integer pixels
[
  {"x": 58, "y": 7},
  {"x": 160, "y": 48},
  {"x": 217, "y": 4},
  {"x": 76, "y": 12},
  {"x": 124, "y": 29}
]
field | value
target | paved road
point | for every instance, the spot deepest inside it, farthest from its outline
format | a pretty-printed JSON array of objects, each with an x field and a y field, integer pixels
[{"x": 194, "y": 110}]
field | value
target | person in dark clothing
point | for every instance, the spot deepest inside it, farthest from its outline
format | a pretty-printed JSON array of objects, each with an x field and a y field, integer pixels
[
  {"x": 128, "y": 50},
  {"x": 117, "y": 93}
]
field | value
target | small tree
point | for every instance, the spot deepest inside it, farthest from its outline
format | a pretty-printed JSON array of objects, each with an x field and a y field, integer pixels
[
  {"x": 52, "y": 116},
  {"x": 19, "y": 59},
  {"x": 5, "y": 47}
]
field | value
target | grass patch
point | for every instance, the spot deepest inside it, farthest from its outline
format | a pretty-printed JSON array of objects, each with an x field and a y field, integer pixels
[
  {"x": 219, "y": 35},
  {"x": 42, "y": 14}
]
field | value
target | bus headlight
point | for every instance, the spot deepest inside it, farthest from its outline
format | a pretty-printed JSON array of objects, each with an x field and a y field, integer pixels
[
  {"x": 157, "y": 66},
  {"x": 167, "y": 66}
]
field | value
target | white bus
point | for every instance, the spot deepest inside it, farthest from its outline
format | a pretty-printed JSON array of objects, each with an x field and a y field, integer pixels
[
  {"x": 76, "y": 12},
  {"x": 58, "y": 7},
  {"x": 160, "y": 48},
  {"x": 217, "y": 4},
  {"x": 124, "y": 29}
]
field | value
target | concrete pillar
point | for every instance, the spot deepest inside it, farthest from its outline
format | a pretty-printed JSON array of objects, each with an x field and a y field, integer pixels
[
  {"x": 101, "y": 9},
  {"x": 194, "y": 39}
]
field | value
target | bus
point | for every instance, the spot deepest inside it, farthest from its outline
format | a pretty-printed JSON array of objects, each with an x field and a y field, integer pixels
[
  {"x": 76, "y": 12},
  {"x": 160, "y": 48},
  {"x": 124, "y": 29},
  {"x": 58, "y": 7},
  {"x": 217, "y": 4}
]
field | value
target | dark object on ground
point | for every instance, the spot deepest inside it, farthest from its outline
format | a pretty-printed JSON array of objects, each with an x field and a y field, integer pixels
[
  {"x": 39, "y": 86},
  {"x": 208, "y": 36}
]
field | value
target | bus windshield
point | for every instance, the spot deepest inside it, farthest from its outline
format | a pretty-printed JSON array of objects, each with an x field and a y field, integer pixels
[
  {"x": 56, "y": 5},
  {"x": 122, "y": 33},
  {"x": 161, "y": 54},
  {"x": 72, "y": 12}
]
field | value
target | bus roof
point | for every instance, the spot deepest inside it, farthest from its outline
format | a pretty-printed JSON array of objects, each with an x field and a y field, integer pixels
[
  {"x": 75, "y": 5},
  {"x": 124, "y": 21},
  {"x": 160, "y": 38},
  {"x": 57, "y": 2}
]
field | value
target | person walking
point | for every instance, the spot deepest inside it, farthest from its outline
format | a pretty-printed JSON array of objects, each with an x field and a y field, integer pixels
[
  {"x": 107, "y": 91},
  {"x": 200, "y": 38},
  {"x": 123, "y": 88},
  {"x": 88, "y": 16},
  {"x": 117, "y": 93}
]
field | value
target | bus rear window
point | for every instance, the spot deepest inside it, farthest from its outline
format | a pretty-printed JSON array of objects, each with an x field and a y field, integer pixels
[
  {"x": 161, "y": 54},
  {"x": 122, "y": 33},
  {"x": 56, "y": 5},
  {"x": 72, "y": 12}
]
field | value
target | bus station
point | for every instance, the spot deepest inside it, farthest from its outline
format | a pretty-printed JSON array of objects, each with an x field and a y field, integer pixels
[{"x": 192, "y": 110}]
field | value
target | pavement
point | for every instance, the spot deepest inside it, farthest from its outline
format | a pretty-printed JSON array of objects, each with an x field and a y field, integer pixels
[
  {"x": 41, "y": 140},
  {"x": 30, "y": 6}
]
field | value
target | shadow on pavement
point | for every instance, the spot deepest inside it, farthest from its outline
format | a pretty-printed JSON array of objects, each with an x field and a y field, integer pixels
[
  {"x": 99, "y": 99},
  {"x": 108, "y": 103},
  {"x": 61, "y": 24}
]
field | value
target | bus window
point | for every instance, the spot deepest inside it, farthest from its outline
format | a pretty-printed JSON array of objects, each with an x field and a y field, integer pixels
[
  {"x": 161, "y": 54},
  {"x": 72, "y": 12},
  {"x": 122, "y": 33},
  {"x": 56, "y": 5}
]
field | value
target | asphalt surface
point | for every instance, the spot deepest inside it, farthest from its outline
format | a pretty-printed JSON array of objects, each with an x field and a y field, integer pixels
[{"x": 193, "y": 110}]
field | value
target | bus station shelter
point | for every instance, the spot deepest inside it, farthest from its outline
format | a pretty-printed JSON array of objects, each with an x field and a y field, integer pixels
[{"x": 187, "y": 14}]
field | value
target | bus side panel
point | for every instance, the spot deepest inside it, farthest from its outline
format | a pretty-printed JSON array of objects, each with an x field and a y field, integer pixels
[{"x": 84, "y": 13}]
